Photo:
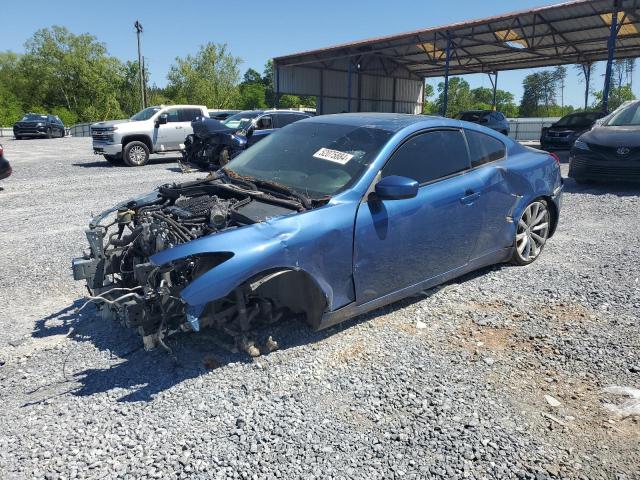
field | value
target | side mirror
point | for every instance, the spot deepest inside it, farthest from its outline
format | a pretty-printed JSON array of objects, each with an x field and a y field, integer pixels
[
  {"x": 162, "y": 119},
  {"x": 396, "y": 187},
  {"x": 250, "y": 131}
]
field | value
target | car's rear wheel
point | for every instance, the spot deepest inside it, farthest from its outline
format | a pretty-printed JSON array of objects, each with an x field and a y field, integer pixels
[
  {"x": 113, "y": 159},
  {"x": 531, "y": 233},
  {"x": 136, "y": 154}
]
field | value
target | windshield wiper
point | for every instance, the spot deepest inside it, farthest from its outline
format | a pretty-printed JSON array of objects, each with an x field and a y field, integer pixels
[{"x": 272, "y": 187}]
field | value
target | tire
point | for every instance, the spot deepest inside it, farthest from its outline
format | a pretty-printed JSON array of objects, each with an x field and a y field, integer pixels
[
  {"x": 18, "y": 137},
  {"x": 136, "y": 154},
  {"x": 49, "y": 135},
  {"x": 532, "y": 230},
  {"x": 113, "y": 159}
]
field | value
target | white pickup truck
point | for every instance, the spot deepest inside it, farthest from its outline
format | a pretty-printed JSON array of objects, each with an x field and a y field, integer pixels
[{"x": 158, "y": 129}]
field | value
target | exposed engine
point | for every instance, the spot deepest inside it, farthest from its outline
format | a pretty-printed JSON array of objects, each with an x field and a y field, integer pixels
[
  {"x": 212, "y": 145},
  {"x": 126, "y": 285}
]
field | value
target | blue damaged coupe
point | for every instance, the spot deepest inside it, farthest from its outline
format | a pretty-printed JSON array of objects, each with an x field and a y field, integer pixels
[{"x": 328, "y": 218}]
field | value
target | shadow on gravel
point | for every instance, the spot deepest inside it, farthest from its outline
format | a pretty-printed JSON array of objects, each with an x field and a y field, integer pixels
[
  {"x": 601, "y": 188},
  {"x": 104, "y": 164},
  {"x": 144, "y": 374}
]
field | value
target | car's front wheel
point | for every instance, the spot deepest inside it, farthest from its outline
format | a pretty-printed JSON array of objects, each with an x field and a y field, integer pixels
[
  {"x": 531, "y": 233},
  {"x": 49, "y": 134},
  {"x": 136, "y": 154}
]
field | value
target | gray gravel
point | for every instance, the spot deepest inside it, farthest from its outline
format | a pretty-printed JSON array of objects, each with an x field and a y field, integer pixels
[{"x": 449, "y": 384}]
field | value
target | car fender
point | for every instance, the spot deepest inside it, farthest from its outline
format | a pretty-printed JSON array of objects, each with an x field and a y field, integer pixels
[{"x": 315, "y": 242}]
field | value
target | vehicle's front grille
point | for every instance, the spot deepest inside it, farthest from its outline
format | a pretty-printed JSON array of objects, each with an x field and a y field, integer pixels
[
  {"x": 616, "y": 171},
  {"x": 558, "y": 134},
  {"x": 615, "y": 154},
  {"x": 102, "y": 135}
]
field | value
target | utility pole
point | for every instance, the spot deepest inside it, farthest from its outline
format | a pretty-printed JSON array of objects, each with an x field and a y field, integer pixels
[{"x": 138, "y": 27}]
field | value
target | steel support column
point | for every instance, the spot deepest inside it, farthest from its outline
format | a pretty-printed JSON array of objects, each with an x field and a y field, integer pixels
[
  {"x": 494, "y": 84},
  {"x": 393, "y": 101},
  {"x": 586, "y": 69},
  {"x": 277, "y": 96},
  {"x": 349, "y": 86},
  {"x": 321, "y": 99},
  {"x": 613, "y": 36},
  {"x": 445, "y": 104}
]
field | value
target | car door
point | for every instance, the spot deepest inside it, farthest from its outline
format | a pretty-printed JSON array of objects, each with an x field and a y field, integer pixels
[
  {"x": 497, "y": 199},
  {"x": 263, "y": 128},
  {"x": 169, "y": 135},
  {"x": 188, "y": 115},
  {"x": 400, "y": 243}
]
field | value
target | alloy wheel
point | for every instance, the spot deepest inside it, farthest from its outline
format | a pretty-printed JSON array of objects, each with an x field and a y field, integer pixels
[
  {"x": 533, "y": 231},
  {"x": 137, "y": 154}
]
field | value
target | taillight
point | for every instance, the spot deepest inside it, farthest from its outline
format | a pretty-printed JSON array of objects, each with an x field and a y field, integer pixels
[
  {"x": 555, "y": 157},
  {"x": 1, "y": 150}
]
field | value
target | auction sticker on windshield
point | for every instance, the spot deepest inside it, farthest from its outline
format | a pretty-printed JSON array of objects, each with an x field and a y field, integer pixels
[{"x": 333, "y": 155}]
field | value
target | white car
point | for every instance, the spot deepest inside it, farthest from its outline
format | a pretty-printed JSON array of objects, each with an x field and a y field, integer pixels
[{"x": 157, "y": 129}]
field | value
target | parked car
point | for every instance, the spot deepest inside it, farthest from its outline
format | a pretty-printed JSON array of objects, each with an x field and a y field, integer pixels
[
  {"x": 38, "y": 125},
  {"x": 5, "y": 166},
  {"x": 327, "y": 218},
  {"x": 610, "y": 151},
  {"x": 487, "y": 118},
  {"x": 214, "y": 143},
  {"x": 565, "y": 131},
  {"x": 157, "y": 129},
  {"x": 222, "y": 114}
]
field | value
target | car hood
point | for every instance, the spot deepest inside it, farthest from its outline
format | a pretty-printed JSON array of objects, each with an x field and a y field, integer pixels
[
  {"x": 109, "y": 123},
  {"x": 613, "y": 136},
  {"x": 556, "y": 128}
]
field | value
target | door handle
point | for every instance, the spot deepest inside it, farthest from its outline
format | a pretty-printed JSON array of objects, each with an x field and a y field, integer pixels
[{"x": 469, "y": 197}]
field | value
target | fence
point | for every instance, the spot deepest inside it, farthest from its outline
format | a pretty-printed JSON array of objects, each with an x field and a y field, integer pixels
[
  {"x": 522, "y": 129},
  {"x": 528, "y": 129}
]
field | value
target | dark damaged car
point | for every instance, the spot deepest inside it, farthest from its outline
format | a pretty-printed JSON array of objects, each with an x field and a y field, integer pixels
[
  {"x": 214, "y": 143},
  {"x": 325, "y": 219}
]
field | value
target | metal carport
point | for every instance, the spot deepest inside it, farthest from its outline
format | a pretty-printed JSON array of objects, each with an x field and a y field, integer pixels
[{"x": 387, "y": 74}]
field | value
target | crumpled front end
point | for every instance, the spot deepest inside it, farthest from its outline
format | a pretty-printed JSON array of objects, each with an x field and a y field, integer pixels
[{"x": 127, "y": 285}]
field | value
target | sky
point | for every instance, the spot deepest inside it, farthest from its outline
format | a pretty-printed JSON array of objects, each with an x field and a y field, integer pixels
[{"x": 256, "y": 31}]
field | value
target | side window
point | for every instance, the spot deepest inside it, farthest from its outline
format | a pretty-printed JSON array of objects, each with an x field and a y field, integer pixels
[
  {"x": 173, "y": 115},
  {"x": 500, "y": 116},
  {"x": 189, "y": 114},
  {"x": 287, "y": 118},
  {"x": 429, "y": 156},
  {"x": 484, "y": 148},
  {"x": 264, "y": 123}
]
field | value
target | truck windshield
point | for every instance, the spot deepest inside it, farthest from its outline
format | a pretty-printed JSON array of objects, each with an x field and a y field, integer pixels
[
  {"x": 316, "y": 159},
  {"x": 145, "y": 114},
  {"x": 240, "y": 121}
]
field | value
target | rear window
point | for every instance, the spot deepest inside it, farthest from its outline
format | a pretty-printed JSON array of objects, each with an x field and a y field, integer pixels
[{"x": 484, "y": 148}]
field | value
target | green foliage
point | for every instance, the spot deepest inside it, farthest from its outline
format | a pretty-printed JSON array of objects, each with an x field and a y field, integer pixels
[
  {"x": 462, "y": 98},
  {"x": 209, "y": 78},
  {"x": 252, "y": 96},
  {"x": 617, "y": 96},
  {"x": 10, "y": 107},
  {"x": 539, "y": 98},
  {"x": 68, "y": 117}
]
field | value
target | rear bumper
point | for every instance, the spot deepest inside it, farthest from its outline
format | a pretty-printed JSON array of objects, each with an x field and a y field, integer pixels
[{"x": 584, "y": 168}]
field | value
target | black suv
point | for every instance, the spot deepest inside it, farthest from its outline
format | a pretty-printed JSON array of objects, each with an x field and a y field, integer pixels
[
  {"x": 564, "y": 133},
  {"x": 38, "y": 125}
]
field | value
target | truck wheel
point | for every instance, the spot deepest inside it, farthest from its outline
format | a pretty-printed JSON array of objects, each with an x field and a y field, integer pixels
[
  {"x": 136, "y": 154},
  {"x": 113, "y": 159}
]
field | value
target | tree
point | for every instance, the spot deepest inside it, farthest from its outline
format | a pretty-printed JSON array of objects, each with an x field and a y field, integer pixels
[
  {"x": 252, "y": 76},
  {"x": 585, "y": 72},
  {"x": 10, "y": 107},
  {"x": 460, "y": 97},
  {"x": 252, "y": 96},
  {"x": 539, "y": 94},
  {"x": 617, "y": 96},
  {"x": 482, "y": 98},
  {"x": 209, "y": 78},
  {"x": 560, "y": 76}
]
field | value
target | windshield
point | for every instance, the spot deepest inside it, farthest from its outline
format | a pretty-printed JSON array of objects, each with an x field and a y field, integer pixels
[
  {"x": 145, "y": 114},
  {"x": 472, "y": 116},
  {"x": 241, "y": 121},
  {"x": 578, "y": 120},
  {"x": 628, "y": 116},
  {"x": 33, "y": 117},
  {"x": 316, "y": 159}
]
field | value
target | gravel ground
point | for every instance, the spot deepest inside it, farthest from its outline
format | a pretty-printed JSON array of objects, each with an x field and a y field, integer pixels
[{"x": 449, "y": 384}]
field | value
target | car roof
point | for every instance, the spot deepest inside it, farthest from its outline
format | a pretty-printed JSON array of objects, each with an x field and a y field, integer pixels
[{"x": 392, "y": 122}]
